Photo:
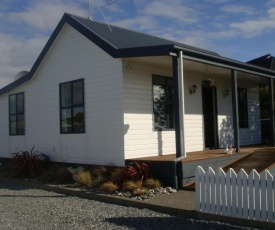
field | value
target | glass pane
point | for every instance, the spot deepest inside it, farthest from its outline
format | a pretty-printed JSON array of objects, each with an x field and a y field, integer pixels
[
  {"x": 170, "y": 116},
  {"x": 170, "y": 90},
  {"x": 170, "y": 104},
  {"x": 21, "y": 124},
  {"x": 66, "y": 94},
  {"x": 13, "y": 104},
  {"x": 79, "y": 120},
  {"x": 13, "y": 125},
  {"x": 66, "y": 121},
  {"x": 158, "y": 80},
  {"x": 20, "y": 103},
  {"x": 242, "y": 104},
  {"x": 159, "y": 107},
  {"x": 78, "y": 93}
]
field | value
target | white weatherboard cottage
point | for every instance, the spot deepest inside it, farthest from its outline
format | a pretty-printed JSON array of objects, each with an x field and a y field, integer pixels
[{"x": 96, "y": 96}]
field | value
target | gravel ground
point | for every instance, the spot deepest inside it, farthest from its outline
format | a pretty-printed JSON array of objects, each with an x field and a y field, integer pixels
[{"x": 22, "y": 207}]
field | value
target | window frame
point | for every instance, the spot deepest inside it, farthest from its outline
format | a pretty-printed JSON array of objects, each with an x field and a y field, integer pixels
[
  {"x": 243, "y": 109},
  {"x": 170, "y": 126},
  {"x": 72, "y": 106},
  {"x": 17, "y": 114}
]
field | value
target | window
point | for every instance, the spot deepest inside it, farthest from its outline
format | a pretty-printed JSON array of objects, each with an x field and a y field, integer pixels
[
  {"x": 16, "y": 114},
  {"x": 163, "y": 104},
  {"x": 243, "y": 111},
  {"x": 72, "y": 107}
]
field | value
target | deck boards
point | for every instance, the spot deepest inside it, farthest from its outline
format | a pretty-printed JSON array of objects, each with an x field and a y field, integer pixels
[
  {"x": 163, "y": 167},
  {"x": 198, "y": 155}
]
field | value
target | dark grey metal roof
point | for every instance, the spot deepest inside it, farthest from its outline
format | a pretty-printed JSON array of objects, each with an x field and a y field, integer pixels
[{"x": 120, "y": 38}]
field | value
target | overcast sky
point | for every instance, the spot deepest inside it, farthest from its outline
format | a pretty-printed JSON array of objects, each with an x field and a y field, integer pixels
[{"x": 237, "y": 29}]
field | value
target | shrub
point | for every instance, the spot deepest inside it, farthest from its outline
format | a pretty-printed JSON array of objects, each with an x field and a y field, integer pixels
[
  {"x": 108, "y": 187},
  {"x": 99, "y": 171},
  {"x": 134, "y": 171},
  {"x": 97, "y": 181},
  {"x": 27, "y": 163},
  {"x": 129, "y": 185},
  {"x": 99, "y": 175},
  {"x": 83, "y": 178},
  {"x": 140, "y": 192},
  {"x": 116, "y": 176},
  {"x": 151, "y": 183}
]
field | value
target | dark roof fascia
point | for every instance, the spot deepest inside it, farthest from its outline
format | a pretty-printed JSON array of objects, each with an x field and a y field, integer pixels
[
  {"x": 164, "y": 50},
  {"x": 14, "y": 84},
  {"x": 225, "y": 62}
]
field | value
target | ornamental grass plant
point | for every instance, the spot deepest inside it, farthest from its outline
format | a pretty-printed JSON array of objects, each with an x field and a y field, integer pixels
[{"x": 27, "y": 164}]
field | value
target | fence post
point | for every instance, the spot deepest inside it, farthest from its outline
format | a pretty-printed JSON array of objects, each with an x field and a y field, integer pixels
[{"x": 198, "y": 185}]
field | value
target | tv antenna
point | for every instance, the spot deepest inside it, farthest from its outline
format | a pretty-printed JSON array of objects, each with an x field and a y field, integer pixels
[{"x": 107, "y": 3}]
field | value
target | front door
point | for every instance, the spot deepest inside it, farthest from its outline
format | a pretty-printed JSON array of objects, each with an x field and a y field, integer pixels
[{"x": 209, "y": 99}]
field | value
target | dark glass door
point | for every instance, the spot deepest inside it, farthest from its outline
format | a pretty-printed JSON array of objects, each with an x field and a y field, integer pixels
[{"x": 209, "y": 99}]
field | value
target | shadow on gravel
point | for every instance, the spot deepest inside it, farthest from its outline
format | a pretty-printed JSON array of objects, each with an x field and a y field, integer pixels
[
  {"x": 172, "y": 222},
  {"x": 26, "y": 196},
  {"x": 149, "y": 222},
  {"x": 12, "y": 186}
]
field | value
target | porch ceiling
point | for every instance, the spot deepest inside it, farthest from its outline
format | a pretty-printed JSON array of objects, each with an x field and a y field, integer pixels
[{"x": 198, "y": 68}]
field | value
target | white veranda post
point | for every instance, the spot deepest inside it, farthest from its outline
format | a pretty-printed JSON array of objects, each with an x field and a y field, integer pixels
[{"x": 181, "y": 102}]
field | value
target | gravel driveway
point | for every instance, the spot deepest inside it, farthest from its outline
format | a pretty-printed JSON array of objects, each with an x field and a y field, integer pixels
[{"x": 22, "y": 207}]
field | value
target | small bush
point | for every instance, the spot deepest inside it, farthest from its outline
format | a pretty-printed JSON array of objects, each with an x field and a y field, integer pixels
[
  {"x": 27, "y": 163},
  {"x": 83, "y": 178},
  {"x": 116, "y": 176},
  {"x": 97, "y": 181},
  {"x": 129, "y": 185},
  {"x": 134, "y": 171},
  {"x": 108, "y": 187},
  {"x": 99, "y": 171},
  {"x": 140, "y": 192},
  {"x": 151, "y": 183}
]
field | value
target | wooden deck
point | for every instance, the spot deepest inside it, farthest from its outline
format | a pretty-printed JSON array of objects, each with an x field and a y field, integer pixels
[
  {"x": 199, "y": 155},
  {"x": 163, "y": 167}
]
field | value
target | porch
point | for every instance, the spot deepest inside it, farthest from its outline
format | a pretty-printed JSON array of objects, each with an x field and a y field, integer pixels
[{"x": 167, "y": 169}]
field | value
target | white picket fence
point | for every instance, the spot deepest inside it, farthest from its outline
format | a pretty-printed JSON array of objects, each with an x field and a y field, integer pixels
[{"x": 236, "y": 195}]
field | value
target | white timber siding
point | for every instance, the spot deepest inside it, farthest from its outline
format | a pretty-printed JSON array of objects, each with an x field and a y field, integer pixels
[
  {"x": 248, "y": 136},
  {"x": 193, "y": 119},
  {"x": 252, "y": 134},
  {"x": 71, "y": 57},
  {"x": 140, "y": 138},
  {"x": 225, "y": 119}
]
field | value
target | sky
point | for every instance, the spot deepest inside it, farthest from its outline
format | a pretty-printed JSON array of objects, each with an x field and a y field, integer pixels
[{"x": 237, "y": 29}]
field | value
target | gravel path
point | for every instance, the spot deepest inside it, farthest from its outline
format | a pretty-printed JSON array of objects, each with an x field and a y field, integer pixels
[{"x": 22, "y": 208}]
